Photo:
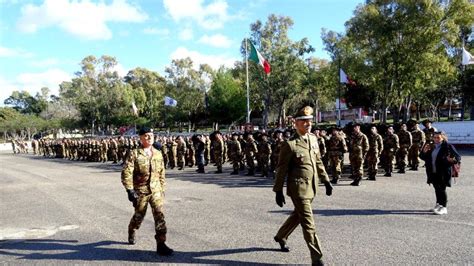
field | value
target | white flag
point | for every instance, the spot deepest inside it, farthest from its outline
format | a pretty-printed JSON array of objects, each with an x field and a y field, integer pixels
[
  {"x": 467, "y": 58},
  {"x": 134, "y": 109},
  {"x": 343, "y": 78},
  {"x": 170, "y": 101}
]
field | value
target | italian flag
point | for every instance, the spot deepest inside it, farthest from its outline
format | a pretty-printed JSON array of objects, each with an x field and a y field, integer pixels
[{"x": 258, "y": 58}]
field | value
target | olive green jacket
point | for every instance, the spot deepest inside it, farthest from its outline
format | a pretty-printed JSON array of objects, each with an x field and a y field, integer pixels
[
  {"x": 300, "y": 163},
  {"x": 142, "y": 173}
]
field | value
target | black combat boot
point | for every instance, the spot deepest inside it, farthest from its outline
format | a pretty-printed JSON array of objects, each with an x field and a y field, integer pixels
[
  {"x": 250, "y": 173},
  {"x": 131, "y": 237},
  {"x": 401, "y": 170},
  {"x": 163, "y": 250},
  {"x": 235, "y": 172},
  {"x": 356, "y": 181},
  {"x": 283, "y": 246},
  {"x": 371, "y": 178},
  {"x": 219, "y": 171},
  {"x": 318, "y": 263}
]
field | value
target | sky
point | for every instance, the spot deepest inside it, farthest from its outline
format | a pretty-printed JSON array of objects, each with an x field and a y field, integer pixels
[{"x": 43, "y": 42}]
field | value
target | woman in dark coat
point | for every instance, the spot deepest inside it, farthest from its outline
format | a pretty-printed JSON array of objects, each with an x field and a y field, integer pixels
[{"x": 439, "y": 157}]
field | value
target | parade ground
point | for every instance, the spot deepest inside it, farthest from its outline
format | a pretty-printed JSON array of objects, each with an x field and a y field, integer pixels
[{"x": 60, "y": 212}]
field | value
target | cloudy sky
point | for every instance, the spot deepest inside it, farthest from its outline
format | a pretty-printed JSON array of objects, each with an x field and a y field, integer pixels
[{"x": 43, "y": 42}]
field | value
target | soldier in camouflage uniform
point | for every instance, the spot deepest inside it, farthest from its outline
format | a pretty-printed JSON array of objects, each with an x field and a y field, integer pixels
[
  {"x": 390, "y": 147},
  {"x": 429, "y": 131},
  {"x": 113, "y": 150},
  {"x": 373, "y": 155},
  {"x": 218, "y": 149},
  {"x": 278, "y": 140},
  {"x": 164, "y": 151},
  {"x": 405, "y": 141},
  {"x": 359, "y": 146},
  {"x": 191, "y": 156},
  {"x": 172, "y": 152},
  {"x": 104, "y": 147},
  {"x": 418, "y": 138},
  {"x": 336, "y": 149},
  {"x": 143, "y": 177},
  {"x": 250, "y": 153},
  {"x": 235, "y": 153},
  {"x": 180, "y": 152},
  {"x": 207, "y": 149},
  {"x": 264, "y": 151}
]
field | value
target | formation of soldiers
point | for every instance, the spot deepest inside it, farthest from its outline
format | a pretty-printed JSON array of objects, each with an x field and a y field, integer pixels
[{"x": 258, "y": 152}]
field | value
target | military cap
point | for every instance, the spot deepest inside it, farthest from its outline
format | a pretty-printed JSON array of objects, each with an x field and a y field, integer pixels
[
  {"x": 145, "y": 130},
  {"x": 305, "y": 112},
  {"x": 235, "y": 134},
  {"x": 217, "y": 132}
]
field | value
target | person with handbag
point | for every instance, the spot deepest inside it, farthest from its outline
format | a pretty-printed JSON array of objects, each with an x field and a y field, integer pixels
[{"x": 439, "y": 158}]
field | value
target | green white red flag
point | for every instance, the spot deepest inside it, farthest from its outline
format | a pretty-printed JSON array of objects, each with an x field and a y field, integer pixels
[{"x": 259, "y": 59}]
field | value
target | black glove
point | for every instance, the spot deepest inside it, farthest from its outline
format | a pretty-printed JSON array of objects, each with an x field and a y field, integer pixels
[
  {"x": 328, "y": 188},
  {"x": 280, "y": 198},
  {"x": 132, "y": 196}
]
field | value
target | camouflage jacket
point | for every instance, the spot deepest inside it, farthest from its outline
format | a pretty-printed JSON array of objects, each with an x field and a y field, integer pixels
[{"x": 143, "y": 173}]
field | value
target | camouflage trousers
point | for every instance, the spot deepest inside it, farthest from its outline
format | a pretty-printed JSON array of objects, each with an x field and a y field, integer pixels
[
  {"x": 156, "y": 202},
  {"x": 356, "y": 161},
  {"x": 235, "y": 159},
  {"x": 413, "y": 153},
  {"x": 264, "y": 164},
  {"x": 180, "y": 158},
  {"x": 218, "y": 159},
  {"x": 388, "y": 160},
  {"x": 401, "y": 157},
  {"x": 335, "y": 164},
  {"x": 372, "y": 160}
]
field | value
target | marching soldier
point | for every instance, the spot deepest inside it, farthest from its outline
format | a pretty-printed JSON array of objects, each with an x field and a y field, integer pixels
[
  {"x": 235, "y": 151},
  {"x": 373, "y": 155},
  {"x": 429, "y": 131},
  {"x": 172, "y": 152},
  {"x": 357, "y": 152},
  {"x": 390, "y": 147},
  {"x": 180, "y": 152},
  {"x": 264, "y": 151},
  {"x": 300, "y": 163},
  {"x": 191, "y": 157},
  {"x": 418, "y": 138},
  {"x": 219, "y": 152},
  {"x": 250, "y": 153},
  {"x": 405, "y": 140},
  {"x": 278, "y": 140},
  {"x": 143, "y": 177},
  {"x": 336, "y": 149}
]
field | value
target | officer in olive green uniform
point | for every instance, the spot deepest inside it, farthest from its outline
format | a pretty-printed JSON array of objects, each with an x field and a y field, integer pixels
[
  {"x": 300, "y": 162},
  {"x": 357, "y": 152},
  {"x": 418, "y": 138},
  {"x": 143, "y": 177}
]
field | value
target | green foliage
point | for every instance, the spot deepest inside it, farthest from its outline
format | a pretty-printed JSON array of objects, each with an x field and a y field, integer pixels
[{"x": 227, "y": 99}]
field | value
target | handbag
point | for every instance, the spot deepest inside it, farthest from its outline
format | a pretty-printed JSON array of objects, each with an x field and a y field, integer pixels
[{"x": 455, "y": 170}]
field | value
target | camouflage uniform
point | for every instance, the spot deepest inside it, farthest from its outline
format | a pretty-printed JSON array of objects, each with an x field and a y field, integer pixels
[
  {"x": 180, "y": 153},
  {"x": 336, "y": 149},
  {"x": 373, "y": 155},
  {"x": 145, "y": 174},
  {"x": 172, "y": 153},
  {"x": 390, "y": 147},
  {"x": 418, "y": 138},
  {"x": 235, "y": 154},
  {"x": 405, "y": 141},
  {"x": 264, "y": 151},
  {"x": 191, "y": 157},
  {"x": 250, "y": 153},
  {"x": 218, "y": 149},
  {"x": 357, "y": 151}
]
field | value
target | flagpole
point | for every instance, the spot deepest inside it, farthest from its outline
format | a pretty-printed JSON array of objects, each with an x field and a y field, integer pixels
[
  {"x": 339, "y": 94},
  {"x": 247, "y": 75}
]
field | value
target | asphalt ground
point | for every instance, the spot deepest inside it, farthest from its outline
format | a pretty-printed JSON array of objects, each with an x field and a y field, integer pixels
[{"x": 60, "y": 212}]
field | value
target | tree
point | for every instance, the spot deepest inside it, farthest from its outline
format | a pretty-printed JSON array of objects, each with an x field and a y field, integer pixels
[{"x": 226, "y": 98}]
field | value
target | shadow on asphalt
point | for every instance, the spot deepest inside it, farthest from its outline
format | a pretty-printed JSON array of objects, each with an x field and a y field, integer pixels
[
  {"x": 360, "y": 212},
  {"x": 69, "y": 250}
]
